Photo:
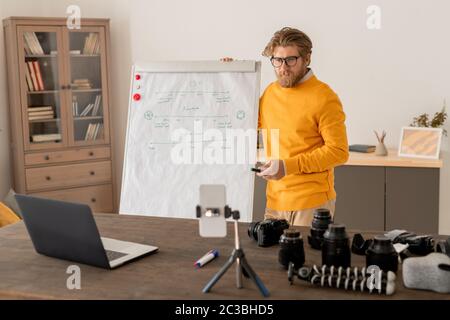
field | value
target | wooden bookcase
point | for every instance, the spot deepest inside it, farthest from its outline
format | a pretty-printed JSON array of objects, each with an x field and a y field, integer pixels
[{"x": 59, "y": 94}]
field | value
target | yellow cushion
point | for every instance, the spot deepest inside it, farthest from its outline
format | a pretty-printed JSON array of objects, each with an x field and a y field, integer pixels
[{"x": 7, "y": 216}]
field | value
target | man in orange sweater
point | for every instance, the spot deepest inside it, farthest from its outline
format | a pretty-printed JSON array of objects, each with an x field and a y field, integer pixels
[{"x": 312, "y": 133}]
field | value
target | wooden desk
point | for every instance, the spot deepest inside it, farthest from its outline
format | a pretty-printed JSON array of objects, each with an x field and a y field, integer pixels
[{"x": 168, "y": 274}]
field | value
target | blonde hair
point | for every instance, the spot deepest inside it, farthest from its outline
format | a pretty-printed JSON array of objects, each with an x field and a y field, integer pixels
[{"x": 289, "y": 37}]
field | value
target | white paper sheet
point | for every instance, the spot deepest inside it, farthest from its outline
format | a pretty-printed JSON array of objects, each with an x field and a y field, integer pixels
[{"x": 156, "y": 185}]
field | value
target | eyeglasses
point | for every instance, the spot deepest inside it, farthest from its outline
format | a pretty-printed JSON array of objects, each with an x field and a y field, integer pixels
[{"x": 289, "y": 61}]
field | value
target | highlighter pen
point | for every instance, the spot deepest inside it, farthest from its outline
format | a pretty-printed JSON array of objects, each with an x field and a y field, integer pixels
[{"x": 206, "y": 258}]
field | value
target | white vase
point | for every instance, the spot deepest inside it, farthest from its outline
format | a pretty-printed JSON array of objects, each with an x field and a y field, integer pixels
[{"x": 381, "y": 150}]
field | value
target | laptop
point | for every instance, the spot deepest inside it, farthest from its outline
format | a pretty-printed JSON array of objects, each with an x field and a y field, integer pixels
[{"x": 67, "y": 230}]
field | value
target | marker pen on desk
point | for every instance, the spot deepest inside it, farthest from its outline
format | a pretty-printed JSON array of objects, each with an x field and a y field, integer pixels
[{"x": 206, "y": 258}]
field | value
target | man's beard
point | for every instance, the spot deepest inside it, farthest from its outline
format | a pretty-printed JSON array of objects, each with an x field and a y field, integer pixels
[{"x": 289, "y": 79}]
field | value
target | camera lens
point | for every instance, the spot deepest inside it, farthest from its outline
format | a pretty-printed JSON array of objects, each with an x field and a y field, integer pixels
[
  {"x": 321, "y": 220},
  {"x": 291, "y": 249},
  {"x": 382, "y": 254},
  {"x": 335, "y": 247},
  {"x": 252, "y": 230}
]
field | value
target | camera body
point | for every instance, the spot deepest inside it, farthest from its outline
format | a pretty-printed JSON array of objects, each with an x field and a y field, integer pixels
[
  {"x": 417, "y": 244},
  {"x": 420, "y": 245},
  {"x": 267, "y": 232}
]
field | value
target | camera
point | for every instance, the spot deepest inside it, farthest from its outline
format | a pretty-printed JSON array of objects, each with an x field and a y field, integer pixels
[
  {"x": 291, "y": 249},
  {"x": 417, "y": 244},
  {"x": 336, "y": 247},
  {"x": 267, "y": 232},
  {"x": 321, "y": 220}
]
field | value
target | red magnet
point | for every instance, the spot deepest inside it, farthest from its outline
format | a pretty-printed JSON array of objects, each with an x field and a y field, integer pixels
[
  {"x": 138, "y": 77},
  {"x": 136, "y": 97}
]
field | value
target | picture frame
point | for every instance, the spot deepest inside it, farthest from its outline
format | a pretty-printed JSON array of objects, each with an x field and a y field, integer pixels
[{"x": 419, "y": 142}]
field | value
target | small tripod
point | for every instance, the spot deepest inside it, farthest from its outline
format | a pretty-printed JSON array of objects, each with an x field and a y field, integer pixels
[{"x": 238, "y": 256}]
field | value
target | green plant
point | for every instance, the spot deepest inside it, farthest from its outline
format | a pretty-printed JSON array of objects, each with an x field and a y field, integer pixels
[{"x": 437, "y": 121}]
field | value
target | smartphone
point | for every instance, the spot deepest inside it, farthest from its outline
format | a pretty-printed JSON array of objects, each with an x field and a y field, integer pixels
[{"x": 212, "y": 222}]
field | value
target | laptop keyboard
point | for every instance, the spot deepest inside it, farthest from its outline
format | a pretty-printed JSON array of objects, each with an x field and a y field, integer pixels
[{"x": 113, "y": 255}]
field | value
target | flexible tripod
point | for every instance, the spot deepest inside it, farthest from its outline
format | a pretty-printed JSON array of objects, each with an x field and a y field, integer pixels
[{"x": 238, "y": 256}]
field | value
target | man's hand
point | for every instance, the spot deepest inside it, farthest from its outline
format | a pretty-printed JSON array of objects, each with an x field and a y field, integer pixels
[{"x": 272, "y": 170}]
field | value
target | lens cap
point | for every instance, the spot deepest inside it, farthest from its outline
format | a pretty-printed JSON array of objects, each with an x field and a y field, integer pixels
[
  {"x": 382, "y": 245},
  {"x": 291, "y": 233},
  {"x": 336, "y": 232}
]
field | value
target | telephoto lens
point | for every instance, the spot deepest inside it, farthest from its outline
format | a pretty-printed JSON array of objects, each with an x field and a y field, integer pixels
[
  {"x": 336, "y": 247},
  {"x": 382, "y": 254},
  {"x": 291, "y": 249},
  {"x": 321, "y": 220}
]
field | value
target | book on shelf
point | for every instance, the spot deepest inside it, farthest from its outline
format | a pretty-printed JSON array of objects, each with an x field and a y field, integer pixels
[
  {"x": 96, "y": 109},
  {"x": 32, "y": 44},
  {"x": 37, "y": 69},
  {"x": 28, "y": 78},
  {"x": 46, "y": 137},
  {"x": 26, "y": 46},
  {"x": 82, "y": 84},
  {"x": 91, "y": 44},
  {"x": 41, "y": 118},
  {"x": 75, "y": 52},
  {"x": 94, "y": 131},
  {"x": 34, "y": 76},
  {"x": 100, "y": 132},
  {"x": 40, "y": 113},
  {"x": 75, "y": 107},
  {"x": 88, "y": 132},
  {"x": 40, "y": 108},
  {"x": 48, "y": 114},
  {"x": 86, "y": 110}
]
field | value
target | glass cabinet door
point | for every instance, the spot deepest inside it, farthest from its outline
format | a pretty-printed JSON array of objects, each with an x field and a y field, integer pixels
[
  {"x": 87, "y": 89},
  {"x": 40, "y": 56}
]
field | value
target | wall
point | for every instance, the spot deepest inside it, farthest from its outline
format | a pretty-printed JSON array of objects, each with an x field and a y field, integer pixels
[{"x": 384, "y": 77}]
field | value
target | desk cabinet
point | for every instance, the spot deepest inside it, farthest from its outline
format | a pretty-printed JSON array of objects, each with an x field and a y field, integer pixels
[{"x": 386, "y": 198}]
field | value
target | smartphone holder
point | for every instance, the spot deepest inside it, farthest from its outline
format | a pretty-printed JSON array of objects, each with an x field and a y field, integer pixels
[{"x": 238, "y": 256}]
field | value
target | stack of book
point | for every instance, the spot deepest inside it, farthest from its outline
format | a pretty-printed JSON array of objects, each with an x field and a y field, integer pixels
[
  {"x": 91, "y": 44},
  {"x": 33, "y": 76},
  {"x": 31, "y": 44},
  {"x": 92, "y": 108},
  {"x": 81, "y": 84},
  {"x": 93, "y": 131},
  {"x": 40, "y": 113},
  {"x": 364, "y": 148},
  {"x": 46, "y": 137}
]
